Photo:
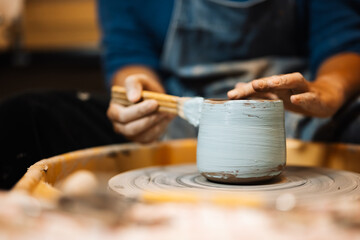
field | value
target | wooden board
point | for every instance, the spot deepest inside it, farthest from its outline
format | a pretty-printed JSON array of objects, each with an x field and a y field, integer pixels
[{"x": 59, "y": 24}]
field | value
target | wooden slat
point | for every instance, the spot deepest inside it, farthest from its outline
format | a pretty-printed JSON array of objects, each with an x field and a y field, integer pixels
[{"x": 59, "y": 24}]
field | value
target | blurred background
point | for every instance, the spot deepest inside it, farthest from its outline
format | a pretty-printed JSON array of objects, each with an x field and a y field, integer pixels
[{"x": 49, "y": 44}]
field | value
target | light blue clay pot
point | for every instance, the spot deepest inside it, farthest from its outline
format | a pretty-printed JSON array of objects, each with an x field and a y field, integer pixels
[{"x": 241, "y": 141}]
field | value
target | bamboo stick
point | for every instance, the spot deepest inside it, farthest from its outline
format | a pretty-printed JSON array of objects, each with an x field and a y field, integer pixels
[
  {"x": 162, "y": 108},
  {"x": 148, "y": 95},
  {"x": 116, "y": 95}
]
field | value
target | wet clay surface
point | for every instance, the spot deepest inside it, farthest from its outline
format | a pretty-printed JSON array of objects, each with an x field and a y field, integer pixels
[
  {"x": 305, "y": 183},
  {"x": 227, "y": 178},
  {"x": 241, "y": 141},
  {"x": 235, "y": 178}
]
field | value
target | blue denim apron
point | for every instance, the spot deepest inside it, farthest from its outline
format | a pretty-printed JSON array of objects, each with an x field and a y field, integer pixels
[{"x": 213, "y": 44}]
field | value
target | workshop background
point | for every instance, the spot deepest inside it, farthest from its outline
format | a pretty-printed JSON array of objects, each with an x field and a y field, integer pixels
[{"x": 49, "y": 44}]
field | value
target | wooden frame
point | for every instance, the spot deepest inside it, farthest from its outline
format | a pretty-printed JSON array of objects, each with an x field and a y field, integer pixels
[{"x": 41, "y": 178}]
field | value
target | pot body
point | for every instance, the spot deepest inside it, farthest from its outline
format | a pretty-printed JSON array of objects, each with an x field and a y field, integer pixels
[{"x": 241, "y": 141}]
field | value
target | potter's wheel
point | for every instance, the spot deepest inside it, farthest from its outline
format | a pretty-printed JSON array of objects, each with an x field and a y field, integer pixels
[{"x": 304, "y": 183}]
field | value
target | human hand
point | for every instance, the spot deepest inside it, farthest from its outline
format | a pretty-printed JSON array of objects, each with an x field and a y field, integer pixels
[
  {"x": 317, "y": 99},
  {"x": 139, "y": 122}
]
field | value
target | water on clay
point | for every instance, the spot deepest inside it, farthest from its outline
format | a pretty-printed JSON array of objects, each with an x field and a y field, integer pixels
[{"x": 192, "y": 110}]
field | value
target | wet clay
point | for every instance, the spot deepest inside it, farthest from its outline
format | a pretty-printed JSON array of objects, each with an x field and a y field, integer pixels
[
  {"x": 308, "y": 185},
  {"x": 241, "y": 141},
  {"x": 234, "y": 178}
]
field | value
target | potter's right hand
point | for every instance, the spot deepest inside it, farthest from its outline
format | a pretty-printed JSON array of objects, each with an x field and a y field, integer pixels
[{"x": 140, "y": 122}]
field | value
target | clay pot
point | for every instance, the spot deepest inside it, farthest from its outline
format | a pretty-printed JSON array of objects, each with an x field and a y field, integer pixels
[{"x": 241, "y": 141}]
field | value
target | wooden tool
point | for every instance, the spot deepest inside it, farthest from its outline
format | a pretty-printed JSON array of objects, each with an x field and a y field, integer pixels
[{"x": 186, "y": 107}]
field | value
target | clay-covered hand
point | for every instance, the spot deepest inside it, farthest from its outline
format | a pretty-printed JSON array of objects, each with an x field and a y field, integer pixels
[
  {"x": 139, "y": 122},
  {"x": 318, "y": 99}
]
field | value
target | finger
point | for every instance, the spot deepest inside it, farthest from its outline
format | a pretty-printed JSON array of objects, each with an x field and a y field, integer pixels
[
  {"x": 303, "y": 99},
  {"x": 292, "y": 81},
  {"x": 122, "y": 114},
  {"x": 134, "y": 87},
  {"x": 136, "y": 127},
  {"x": 311, "y": 104},
  {"x": 242, "y": 90},
  {"x": 240, "y": 84},
  {"x": 257, "y": 95},
  {"x": 153, "y": 133},
  {"x": 265, "y": 95},
  {"x": 135, "y": 83}
]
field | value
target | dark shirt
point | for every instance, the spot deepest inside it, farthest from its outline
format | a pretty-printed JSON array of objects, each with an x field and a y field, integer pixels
[{"x": 134, "y": 31}]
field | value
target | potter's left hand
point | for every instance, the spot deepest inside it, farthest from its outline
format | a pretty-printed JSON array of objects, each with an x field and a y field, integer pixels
[{"x": 317, "y": 99}]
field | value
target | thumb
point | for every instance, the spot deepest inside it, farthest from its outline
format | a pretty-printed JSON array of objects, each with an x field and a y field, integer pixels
[
  {"x": 135, "y": 83},
  {"x": 134, "y": 87}
]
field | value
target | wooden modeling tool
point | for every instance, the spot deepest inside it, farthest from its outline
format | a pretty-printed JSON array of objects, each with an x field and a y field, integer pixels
[{"x": 189, "y": 108}]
